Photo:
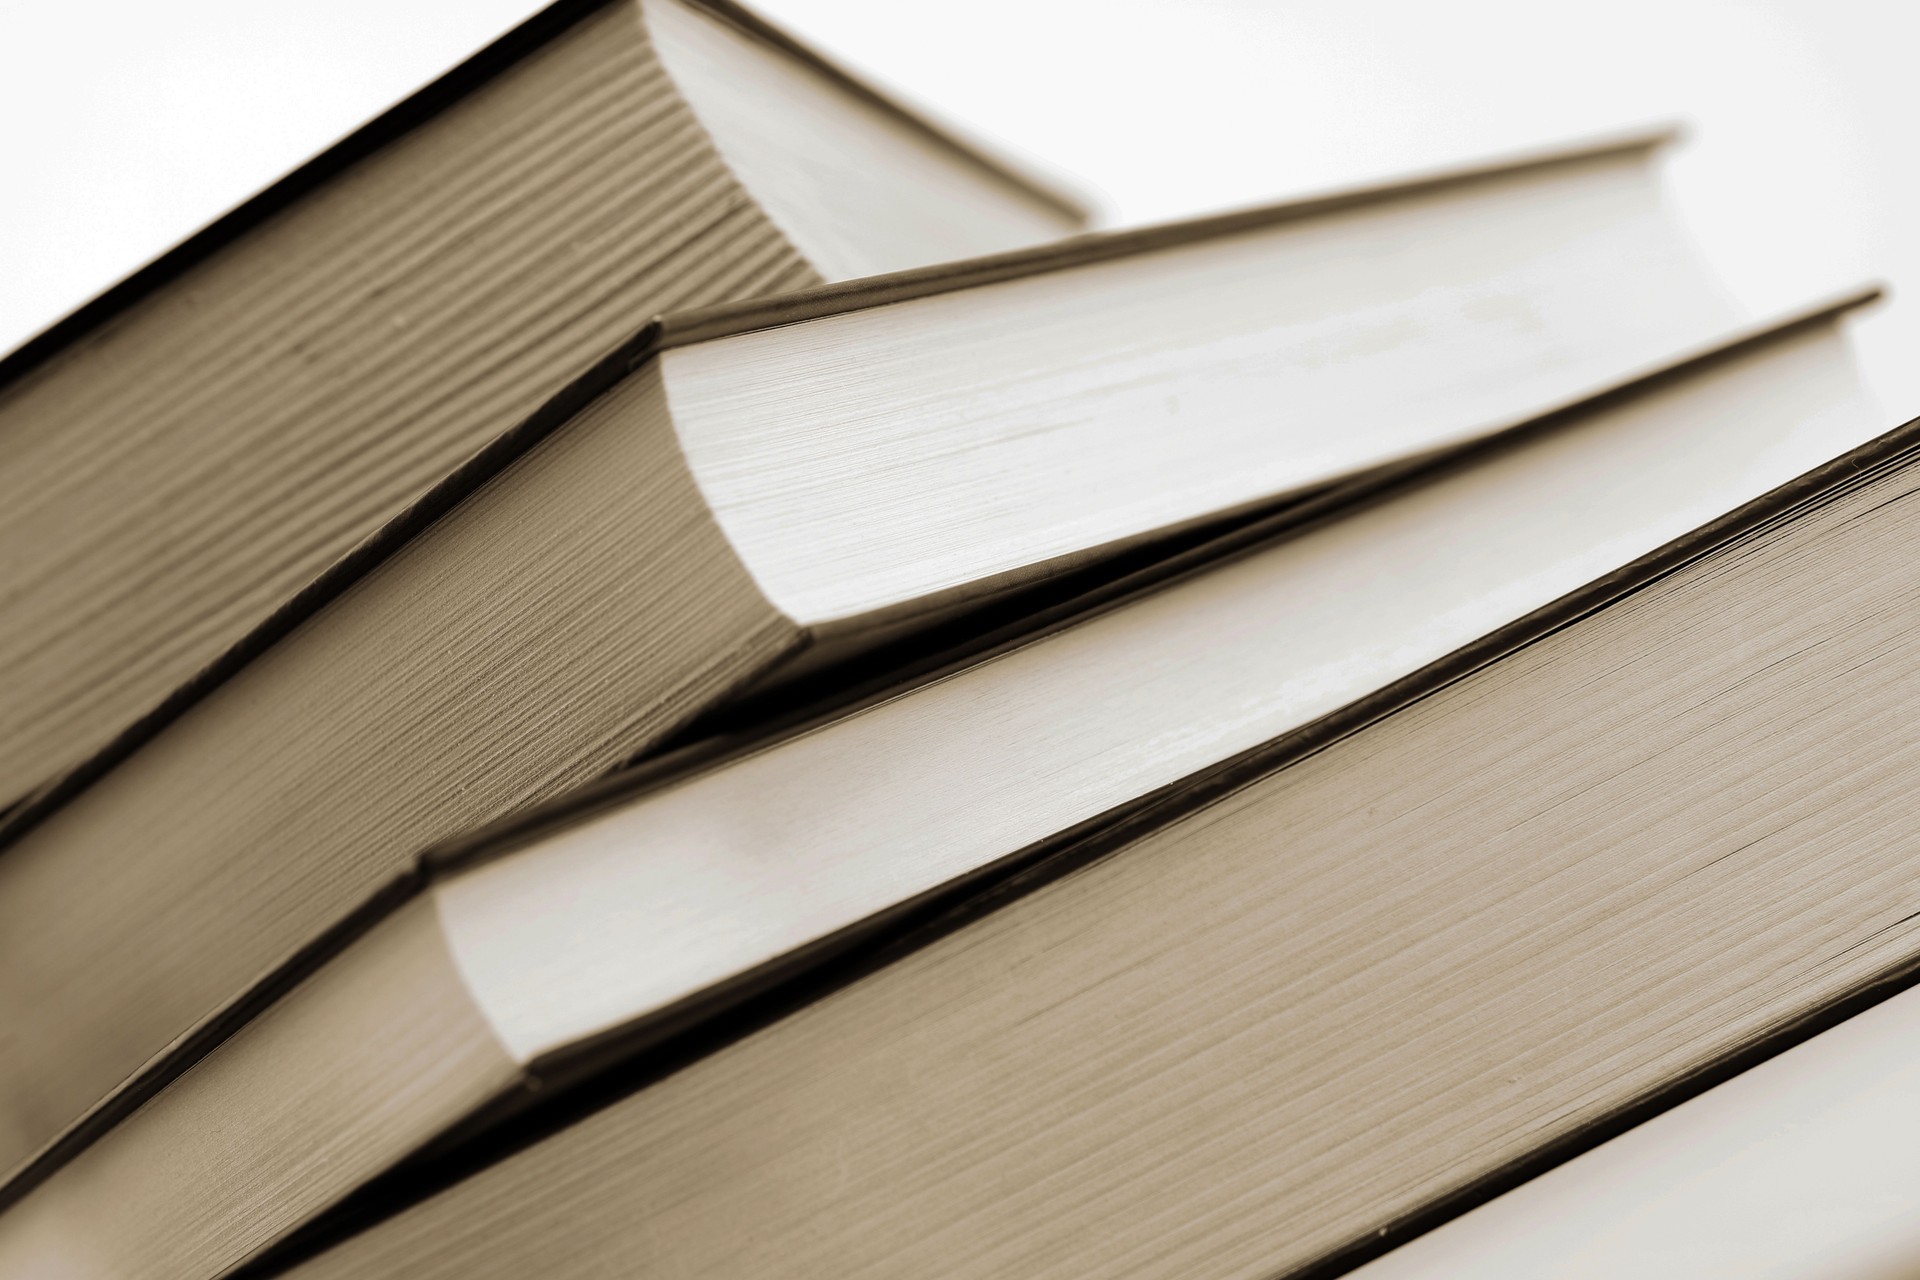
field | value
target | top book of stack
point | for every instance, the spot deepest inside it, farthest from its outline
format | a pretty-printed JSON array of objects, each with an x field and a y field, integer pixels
[{"x": 188, "y": 450}]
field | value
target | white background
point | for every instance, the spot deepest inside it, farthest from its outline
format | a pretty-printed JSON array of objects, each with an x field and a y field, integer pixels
[{"x": 124, "y": 127}]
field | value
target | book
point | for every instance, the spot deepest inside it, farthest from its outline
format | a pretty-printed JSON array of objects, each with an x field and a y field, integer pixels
[
  {"x": 180, "y": 456},
  {"x": 1799, "y": 1167},
  {"x": 733, "y": 495},
  {"x": 641, "y": 913}
]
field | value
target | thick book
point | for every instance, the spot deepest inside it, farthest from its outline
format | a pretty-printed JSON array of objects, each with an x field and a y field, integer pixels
[
  {"x": 182, "y": 455},
  {"x": 738, "y": 497},
  {"x": 644, "y": 913},
  {"x": 1356, "y": 975},
  {"x": 1802, "y": 1167}
]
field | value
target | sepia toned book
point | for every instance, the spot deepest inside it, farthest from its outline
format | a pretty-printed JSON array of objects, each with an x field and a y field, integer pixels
[
  {"x": 738, "y": 497},
  {"x": 183, "y": 454},
  {"x": 1127, "y": 1069}
]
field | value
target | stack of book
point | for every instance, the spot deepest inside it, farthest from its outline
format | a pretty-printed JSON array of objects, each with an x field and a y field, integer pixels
[{"x": 654, "y": 666}]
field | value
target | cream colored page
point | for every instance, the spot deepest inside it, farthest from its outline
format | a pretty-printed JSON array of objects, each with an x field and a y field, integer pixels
[{"x": 864, "y": 460}]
